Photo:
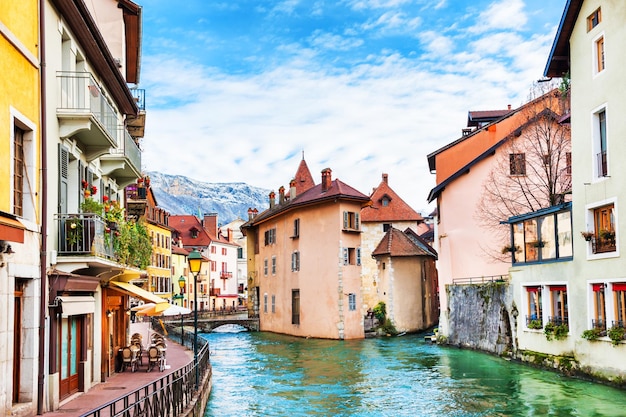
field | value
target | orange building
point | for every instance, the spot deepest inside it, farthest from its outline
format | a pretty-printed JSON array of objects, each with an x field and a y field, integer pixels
[{"x": 305, "y": 252}]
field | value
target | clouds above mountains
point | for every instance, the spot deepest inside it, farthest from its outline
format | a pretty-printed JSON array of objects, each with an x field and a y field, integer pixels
[{"x": 237, "y": 91}]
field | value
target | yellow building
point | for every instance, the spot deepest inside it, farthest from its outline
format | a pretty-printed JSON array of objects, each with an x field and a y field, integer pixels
[
  {"x": 20, "y": 146},
  {"x": 159, "y": 271}
]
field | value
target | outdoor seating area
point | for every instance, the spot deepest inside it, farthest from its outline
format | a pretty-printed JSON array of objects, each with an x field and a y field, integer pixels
[{"x": 132, "y": 355}]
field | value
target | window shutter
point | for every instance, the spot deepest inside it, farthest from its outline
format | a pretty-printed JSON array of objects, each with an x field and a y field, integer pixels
[
  {"x": 345, "y": 256},
  {"x": 293, "y": 261},
  {"x": 358, "y": 256},
  {"x": 356, "y": 221},
  {"x": 64, "y": 161},
  {"x": 345, "y": 219}
]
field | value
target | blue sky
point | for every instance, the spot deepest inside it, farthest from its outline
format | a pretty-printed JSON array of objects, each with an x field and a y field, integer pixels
[{"x": 236, "y": 90}]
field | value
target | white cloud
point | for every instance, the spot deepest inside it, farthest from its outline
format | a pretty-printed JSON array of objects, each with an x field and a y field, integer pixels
[{"x": 503, "y": 14}]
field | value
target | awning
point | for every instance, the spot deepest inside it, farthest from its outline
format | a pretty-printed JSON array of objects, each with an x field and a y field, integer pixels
[
  {"x": 135, "y": 291},
  {"x": 74, "y": 306},
  {"x": 11, "y": 229}
]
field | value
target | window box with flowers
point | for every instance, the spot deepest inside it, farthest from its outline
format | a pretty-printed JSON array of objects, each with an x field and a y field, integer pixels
[{"x": 587, "y": 235}]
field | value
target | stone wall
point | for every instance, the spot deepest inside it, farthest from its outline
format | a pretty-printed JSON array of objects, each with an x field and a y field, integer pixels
[{"x": 482, "y": 317}]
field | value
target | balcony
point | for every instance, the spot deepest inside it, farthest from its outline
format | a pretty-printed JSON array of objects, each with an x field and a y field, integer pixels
[
  {"x": 85, "y": 240},
  {"x": 85, "y": 113},
  {"x": 226, "y": 275},
  {"x": 136, "y": 124},
  {"x": 215, "y": 292},
  {"x": 136, "y": 200},
  {"x": 123, "y": 163}
]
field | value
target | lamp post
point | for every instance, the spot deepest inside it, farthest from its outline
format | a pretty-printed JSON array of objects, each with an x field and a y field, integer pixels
[
  {"x": 195, "y": 264},
  {"x": 181, "y": 284}
]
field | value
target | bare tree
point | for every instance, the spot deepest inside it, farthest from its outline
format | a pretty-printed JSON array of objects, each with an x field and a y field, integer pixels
[{"x": 532, "y": 168}]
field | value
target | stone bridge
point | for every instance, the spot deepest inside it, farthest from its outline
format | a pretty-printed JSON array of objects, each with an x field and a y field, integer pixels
[{"x": 208, "y": 325}]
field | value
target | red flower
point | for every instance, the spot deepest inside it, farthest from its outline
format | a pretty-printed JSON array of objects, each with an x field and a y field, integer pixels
[
  {"x": 84, "y": 184},
  {"x": 94, "y": 190},
  {"x": 105, "y": 198}
]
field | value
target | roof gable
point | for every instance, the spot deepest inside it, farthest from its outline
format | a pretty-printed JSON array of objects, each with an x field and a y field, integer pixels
[
  {"x": 397, "y": 243},
  {"x": 559, "y": 58},
  {"x": 396, "y": 208}
]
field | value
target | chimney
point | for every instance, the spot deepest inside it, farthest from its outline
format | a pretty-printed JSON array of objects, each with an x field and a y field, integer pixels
[
  {"x": 385, "y": 178},
  {"x": 210, "y": 223},
  {"x": 254, "y": 213},
  {"x": 326, "y": 179},
  {"x": 272, "y": 199},
  {"x": 509, "y": 107},
  {"x": 281, "y": 195},
  {"x": 229, "y": 235},
  {"x": 250, "y": 213},
  {"x": 292, "y": 189}
]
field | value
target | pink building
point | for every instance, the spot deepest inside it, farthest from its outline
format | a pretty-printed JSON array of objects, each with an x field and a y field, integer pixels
[{"x": 305, "y": 259}]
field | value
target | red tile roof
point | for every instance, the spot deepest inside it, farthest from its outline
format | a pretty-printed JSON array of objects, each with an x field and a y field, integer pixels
[
  {"x": 397, "y": 243},
  {"x": 303, "y": 178},
  {"x": 396, "y": 210},
  {"x": 185, "y": 224}
]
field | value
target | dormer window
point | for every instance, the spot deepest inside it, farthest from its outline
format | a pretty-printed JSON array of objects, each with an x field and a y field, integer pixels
[
  {"x": 194, "y": 233},
  {"x": 385, "y": 201}
]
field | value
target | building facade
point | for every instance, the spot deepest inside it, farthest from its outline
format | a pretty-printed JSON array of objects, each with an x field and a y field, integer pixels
[
  {"x": 306, "y": 275},
  {"x": 20, "y": 201},
  {"x": 495, "y": 170}
]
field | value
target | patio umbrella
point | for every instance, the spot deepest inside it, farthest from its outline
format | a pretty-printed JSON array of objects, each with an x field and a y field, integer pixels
[
  {"x": 174, "y": 310},
  {"x": 150, "y": 309}
]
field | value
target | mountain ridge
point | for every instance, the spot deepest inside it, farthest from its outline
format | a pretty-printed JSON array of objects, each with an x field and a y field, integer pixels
[{"x": 178, "y": 194}]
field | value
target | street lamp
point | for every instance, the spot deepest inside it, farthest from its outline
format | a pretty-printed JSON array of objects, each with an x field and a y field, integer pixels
[
  {"x": 181, "y": 284},
  {"x": 195, "y": 264}
]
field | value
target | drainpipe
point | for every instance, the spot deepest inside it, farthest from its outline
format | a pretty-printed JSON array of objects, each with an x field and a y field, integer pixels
[{"x": 44, "y": 209}]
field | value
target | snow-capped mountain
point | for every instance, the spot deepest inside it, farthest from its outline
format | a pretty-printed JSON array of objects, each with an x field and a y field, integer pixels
[{"x": 178, "y": 194}]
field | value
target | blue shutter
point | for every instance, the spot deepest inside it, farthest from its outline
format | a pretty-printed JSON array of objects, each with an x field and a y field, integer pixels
[{"x": 358, "y": 256}]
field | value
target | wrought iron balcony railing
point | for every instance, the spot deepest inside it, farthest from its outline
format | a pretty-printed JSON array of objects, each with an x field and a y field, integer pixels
[
  {"x": 226, "y": 275},
  {"x": 79, "y": 93},
  {"x": 84, "y": 234}
]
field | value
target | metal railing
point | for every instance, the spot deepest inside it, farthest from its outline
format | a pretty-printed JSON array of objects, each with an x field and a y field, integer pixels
[
  {"x": 480, "y": 280},
  {"x": 168, "y": 396},
  {"x": 84, "y": 233},
  {"x": 129, "y": 149},
  {"x": 140, "y": 97},
  {"x": 80, "y": 93}
]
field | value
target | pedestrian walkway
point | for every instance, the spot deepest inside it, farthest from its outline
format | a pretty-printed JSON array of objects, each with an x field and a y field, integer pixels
[{"x": 125, "y": 382}]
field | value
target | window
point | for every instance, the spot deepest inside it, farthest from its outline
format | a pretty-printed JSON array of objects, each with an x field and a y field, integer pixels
[
  {"x": 594, "y": 19},
  {"x": 273, "y": 265},
  {"x": 604, "y": 229},
  {"x": 534, "y": 319},
  {"x": 295, "y": 261},
  {"x": 270, "y": 236},
  {"x": 295, "y": 306},
  {"x": 517, "y": 162},
  {"x": 352, "y": 302},
  {"x": 352, "y": 256},
  {"x": 386, "y": 227},
  {"x": 224, "y": 251},
  {"x": 600, "y": 144},
  {"x": 542, "y": 238},
  {"x": 239, "y": 253},
  {"x": 599, "y": 54},
  {"x": 385, "y": 201},
  {"x": 558, "y": 304},
  {"x": 296, "y": 228},
  {"x": 213, "y": 249},
  {"x": 599, "y": 308},
  {"x": 265, "y": 266},
  {"x": 18, "y": 171},
  {"x": 24, "y": 165},
  {"x": 265, "y": 303},
  {"x": 350, "y": 220},
  {"x": 619, "y": 301},
  {"x": 273, "y": 303},
  {"x": 213, "y": 266}
]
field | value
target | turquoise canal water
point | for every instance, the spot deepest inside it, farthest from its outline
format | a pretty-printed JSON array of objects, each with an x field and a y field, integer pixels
[{"x": 263, "y": 374}]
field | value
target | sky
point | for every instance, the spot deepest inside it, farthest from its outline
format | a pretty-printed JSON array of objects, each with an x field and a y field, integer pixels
[{"x": 240, "y": 90}]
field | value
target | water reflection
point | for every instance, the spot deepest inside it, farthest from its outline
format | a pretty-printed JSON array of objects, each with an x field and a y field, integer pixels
[{"x": 263, "y": 374}]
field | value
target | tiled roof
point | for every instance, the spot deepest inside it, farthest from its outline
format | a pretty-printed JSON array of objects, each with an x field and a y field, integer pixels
[
  {"x": 185, "y": 224},
  {"x": 396, "y": 210},
  {"x": 315, "y": 195},
  {"x": 397, "y": 243},
  {"x": 479, "y": 117},
  {"x": 303, "y": 178}
]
